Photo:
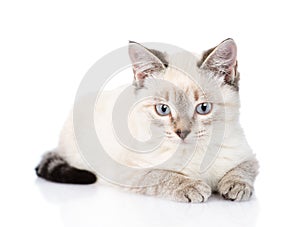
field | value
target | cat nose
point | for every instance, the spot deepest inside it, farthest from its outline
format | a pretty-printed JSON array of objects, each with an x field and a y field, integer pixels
[{"x": 182, "y": 134}]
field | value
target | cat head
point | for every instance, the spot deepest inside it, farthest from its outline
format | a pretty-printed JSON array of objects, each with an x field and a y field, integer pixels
[{"x": 186, "y": 108}]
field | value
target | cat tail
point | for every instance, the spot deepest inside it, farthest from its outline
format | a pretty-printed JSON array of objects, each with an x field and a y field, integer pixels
[{"x": 55, "y": 168}]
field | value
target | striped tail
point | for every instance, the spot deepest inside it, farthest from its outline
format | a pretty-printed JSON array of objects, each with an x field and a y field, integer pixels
[{"x": 55, "y": 168}]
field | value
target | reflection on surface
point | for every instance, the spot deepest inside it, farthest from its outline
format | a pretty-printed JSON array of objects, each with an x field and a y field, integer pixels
[{"x": 98, "y": 205}]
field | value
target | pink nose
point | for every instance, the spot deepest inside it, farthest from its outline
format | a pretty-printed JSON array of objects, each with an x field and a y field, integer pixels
[{"x": 182, "y": 134}]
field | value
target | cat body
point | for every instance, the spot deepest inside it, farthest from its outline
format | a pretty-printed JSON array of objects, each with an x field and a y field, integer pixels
[{"x": 196, "y": 117}]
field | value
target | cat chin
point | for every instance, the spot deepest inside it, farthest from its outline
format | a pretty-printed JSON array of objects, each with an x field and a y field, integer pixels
[{"x": 181, "y": 142}]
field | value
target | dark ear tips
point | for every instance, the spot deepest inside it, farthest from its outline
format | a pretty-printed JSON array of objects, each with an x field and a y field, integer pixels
[
  {"x": 132, "y": 42},
  {"x": 228, "y": 39},
  {"x": 229, "y": 44}
]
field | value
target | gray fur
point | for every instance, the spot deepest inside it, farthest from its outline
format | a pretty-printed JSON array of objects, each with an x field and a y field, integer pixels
[
  {"x": 49, "y": 161},
  {"x": 174, "y": 186},
  {"x": 237, "y": 184}
]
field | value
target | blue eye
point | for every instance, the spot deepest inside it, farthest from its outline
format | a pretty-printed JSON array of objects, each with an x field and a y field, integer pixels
[
  {"x": 204, "y": 108},
  {"x": 162, "y": 109}
]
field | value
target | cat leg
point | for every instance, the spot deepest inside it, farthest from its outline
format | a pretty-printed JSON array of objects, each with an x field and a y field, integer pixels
[
  {"x": 237, "y": 184},
  {"x": 173, "y": 186},
  {"x": 55, "y": 168}
]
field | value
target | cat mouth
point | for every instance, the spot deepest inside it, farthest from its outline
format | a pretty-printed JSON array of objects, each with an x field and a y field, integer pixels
[
  {"x": 185, "y": 142},
  {"x": 179, "y": 141}
]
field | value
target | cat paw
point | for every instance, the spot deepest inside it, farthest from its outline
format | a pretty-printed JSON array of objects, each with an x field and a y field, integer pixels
[
  {"x": 235, "y": 190},
  {"x": 192, "y": 191}
]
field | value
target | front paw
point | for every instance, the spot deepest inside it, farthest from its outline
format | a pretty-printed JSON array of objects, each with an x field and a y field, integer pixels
[
  {"x": 235, "y": 190},
  {"x": 192, "y": 191}
]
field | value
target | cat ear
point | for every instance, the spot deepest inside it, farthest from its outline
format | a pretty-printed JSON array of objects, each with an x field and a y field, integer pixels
[
  {"x": 222, "y": 60},
  {"x": 145, "y": 62}
]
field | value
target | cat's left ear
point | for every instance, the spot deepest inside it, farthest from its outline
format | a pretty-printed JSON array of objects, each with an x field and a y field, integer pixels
[
  {"x": 145, "y": 62},
  {"x": 222, "y": 60}
]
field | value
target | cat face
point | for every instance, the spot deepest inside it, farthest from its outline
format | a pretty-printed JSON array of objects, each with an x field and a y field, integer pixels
[{"x": 181, "y": 108}]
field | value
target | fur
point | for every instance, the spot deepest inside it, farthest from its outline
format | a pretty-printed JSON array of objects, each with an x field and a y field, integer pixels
[{"x": 234, "y": 168}]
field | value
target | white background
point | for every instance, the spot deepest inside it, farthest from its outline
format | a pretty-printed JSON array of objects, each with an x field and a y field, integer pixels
[{"x": 47, "y": 47}]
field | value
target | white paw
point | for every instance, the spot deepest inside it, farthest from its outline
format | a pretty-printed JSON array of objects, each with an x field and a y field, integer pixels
[
  {"x": 192, "y": 191},
  {"x": 235, "y": 190}
]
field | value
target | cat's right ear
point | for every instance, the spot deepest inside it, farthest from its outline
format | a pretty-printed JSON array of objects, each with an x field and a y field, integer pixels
[{"x": 145, "y": 62}]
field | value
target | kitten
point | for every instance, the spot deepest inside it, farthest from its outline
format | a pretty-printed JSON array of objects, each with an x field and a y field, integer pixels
[{"x": 186, "y": 115}]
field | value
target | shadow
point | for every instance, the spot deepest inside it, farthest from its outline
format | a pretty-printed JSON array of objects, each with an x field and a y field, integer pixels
[
  {"x": 99, "y": 205},
  {"x": 60, "y": 194}
]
